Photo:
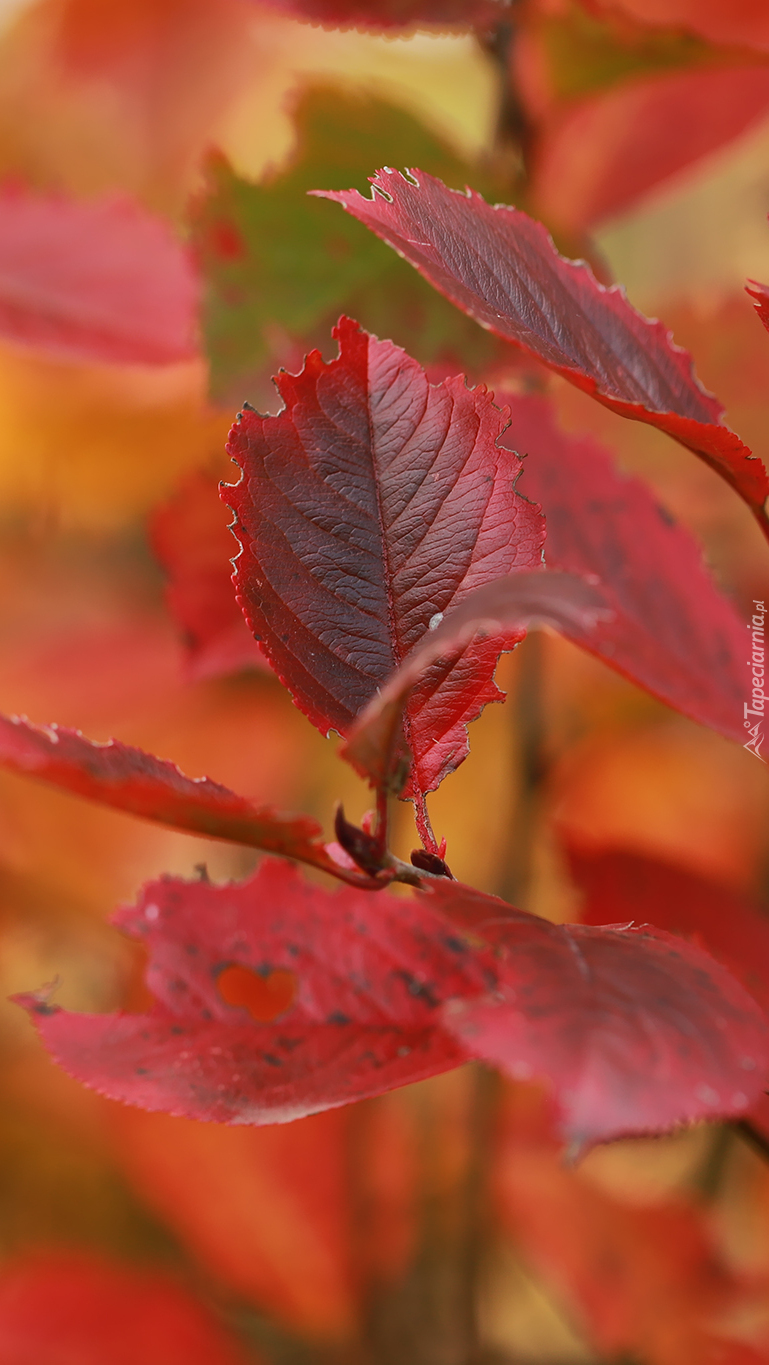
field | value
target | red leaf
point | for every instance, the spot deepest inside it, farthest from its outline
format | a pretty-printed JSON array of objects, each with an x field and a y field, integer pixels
[
  {"x": 371, "y": 973},
  {"x": 97, "y": 280},
  {"x": 378, "y": 747},
  {"x": 635, "y": 1030},
  {"x": 389, "y": 14},
  {"x": 190, "y": 538},
  {"x": 118, "y": 775},
  {"x": 617, "y": 882},
  {"x": 672, "y": 632},
  {"x": 77, "y": 1310},
  {"x": 640, "y": 133},
  {"x": 370, "y": 506},
  {"x": 743, "y": 24},
  {"x": 502, "y": 268},
  {"x": 646, "y": 1282},
  {"x": 271, "y": 1212},
  {"x": 264, "y": 1210},
  {"x": 760, "y": 292}
]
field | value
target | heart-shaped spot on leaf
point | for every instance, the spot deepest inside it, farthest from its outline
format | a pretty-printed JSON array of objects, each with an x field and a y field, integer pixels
[{"x": 265, "y": 994}]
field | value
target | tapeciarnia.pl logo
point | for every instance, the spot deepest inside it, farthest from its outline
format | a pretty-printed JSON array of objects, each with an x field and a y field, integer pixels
[{"x": 755, "y": 707}]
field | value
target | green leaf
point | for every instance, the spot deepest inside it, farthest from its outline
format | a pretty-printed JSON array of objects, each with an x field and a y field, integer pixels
[{"x": 279, "y": 269}]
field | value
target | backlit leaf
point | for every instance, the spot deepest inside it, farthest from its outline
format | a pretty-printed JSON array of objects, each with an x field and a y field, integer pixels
[
  {"x": 370, "y": 506},
  {"x": 97, "y": 280},
  {"x": 671, "y": 631},
  {"x": 502, "y": 268}
]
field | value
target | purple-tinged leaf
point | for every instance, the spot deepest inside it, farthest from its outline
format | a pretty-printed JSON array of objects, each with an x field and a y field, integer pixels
[
  {"x": 369, "y": 507},
  {"x": 500, "y": 266}
]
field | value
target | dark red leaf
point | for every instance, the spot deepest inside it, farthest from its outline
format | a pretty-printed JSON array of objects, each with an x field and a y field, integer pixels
[
  {"x": 118, "y": 775},
  {"x": 369, "y": 507},
  {"x": 672, "y": 631},
  {"x": 97, "y": 280},
  {"x": 190, "y": 538},
  {"x": 371, "y": 973},
  {"x": 79, "y": 1310},
  {"x": 378, "y": 745},
  {"x": 635, "y": 1030},
  {"x": 502, "y": 268}
]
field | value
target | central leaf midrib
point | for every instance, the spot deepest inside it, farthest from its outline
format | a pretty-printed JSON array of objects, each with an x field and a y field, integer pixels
[{"x": 392, "y": 626}]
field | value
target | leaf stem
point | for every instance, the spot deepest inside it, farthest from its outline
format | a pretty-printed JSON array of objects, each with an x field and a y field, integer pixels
[
  {"x": 753, "y": 1136},
  {"x": 424, "y": 828},
  {"x": 382, "y": 812}
]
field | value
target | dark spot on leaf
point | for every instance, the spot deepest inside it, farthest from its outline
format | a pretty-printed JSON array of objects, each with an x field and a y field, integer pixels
[
  {"x": 419, "y": 989},
  {"x": 455, "y": 945}
]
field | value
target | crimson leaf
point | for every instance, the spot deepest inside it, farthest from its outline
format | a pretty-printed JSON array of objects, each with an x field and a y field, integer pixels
[
  {"x": 190, "y": 538},
  {"x": 118, "y": 775},
  {"x": 682, "y": 901},
  {"x": 706, "y": 912},
  {"x": 62, "y": 1308},
  {"x": 371, "y": 505},
  {"x": 672, "y": 631},
  {"x": 99, "y": 280},
  {"x": 501, "y": 267},
  {"x": 370, "y": 975},
  {"x": 377, "y": 746},
  {"x": 634, "y": 1030}
]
